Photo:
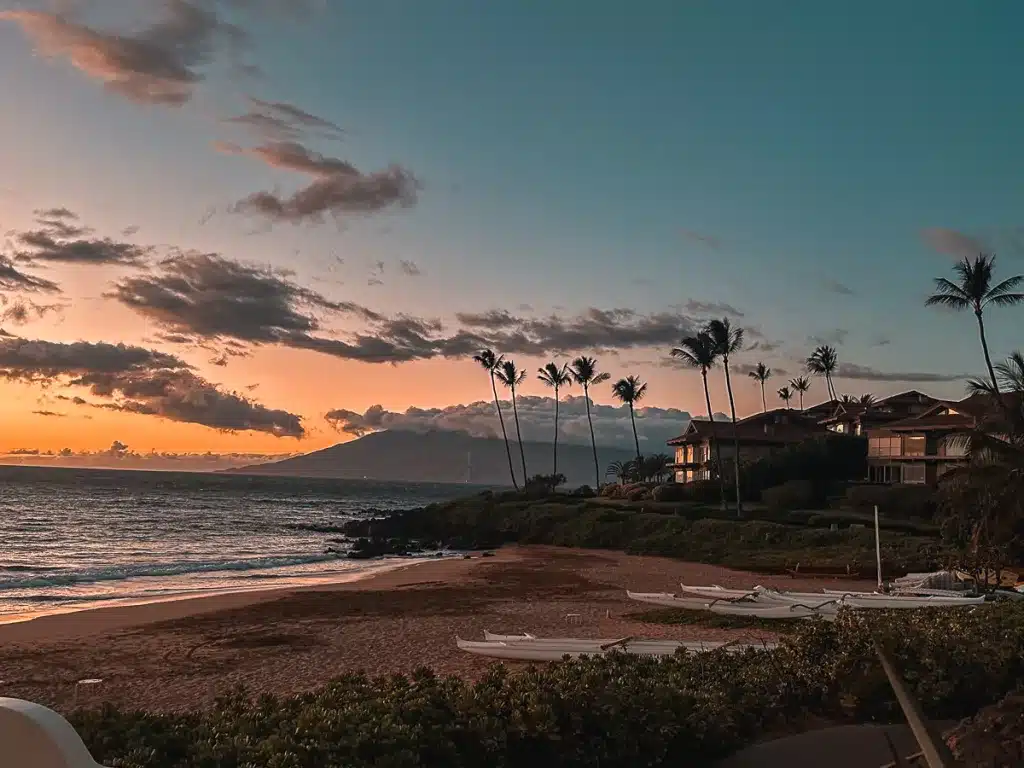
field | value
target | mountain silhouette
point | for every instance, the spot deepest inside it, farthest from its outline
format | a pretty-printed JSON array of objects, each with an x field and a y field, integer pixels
[{"x": 440, "y": 457}]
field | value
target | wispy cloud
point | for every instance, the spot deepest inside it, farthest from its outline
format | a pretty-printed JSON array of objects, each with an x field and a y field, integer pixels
[
  {"x": 953, "y": 243},
  {"x": 59, "y": 237},
  {"x": 709, "y": 241},
  {"x": 868, "y": 373},
  {"x": 410, "y": 268},
  {"x": 834, "y": 286},
  {"x": 278, "y": 121}
]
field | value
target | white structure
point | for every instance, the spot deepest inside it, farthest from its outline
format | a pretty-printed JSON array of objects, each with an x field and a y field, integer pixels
[{"x": 32, "y": 736}]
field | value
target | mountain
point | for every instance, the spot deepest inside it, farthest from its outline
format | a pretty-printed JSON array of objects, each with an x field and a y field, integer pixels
[{"x": 439, "y": 457}]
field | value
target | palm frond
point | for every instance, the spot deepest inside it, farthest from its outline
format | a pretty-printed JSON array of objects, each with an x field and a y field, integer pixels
[
  {"x": 696, "y": 351},
  {"x": 800, "y": 384},
  {"x": 948, "y": 294},
  {"x": 1011, "y": 372},
  {"x": 1006, "y": 299},
  {"x": 488, "y": 360},
  {"x": 727, "y": 339}
]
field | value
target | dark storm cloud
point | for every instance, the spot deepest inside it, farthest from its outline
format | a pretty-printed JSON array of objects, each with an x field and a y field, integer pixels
[
  {"x": 158, "y": 64},
  {"x": 63, "y": 239},
  {"x": 867, "y": 373},
  {"x": 138, "y": 380},
  {"x": 338, "y": 187}
]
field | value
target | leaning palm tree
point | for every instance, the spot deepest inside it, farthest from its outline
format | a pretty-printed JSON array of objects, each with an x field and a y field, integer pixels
[
  {"x": 729, "y": 340},
  {"x": 800, "y": 385},
  {"x": 556, "y": 378},
  {"x": 631, "y": 391},
  {"x": 512, "y": 377},
  {"x": 785, "y": 395},
  {"x": 823, "y": 362},
  {"x": 584, "y": 372},
  {"x": 698, "y": 352},
  {"x": 490, "y": 362},
  {"x": 974, "y": 290},
  {"x": 761, "y": 374}
]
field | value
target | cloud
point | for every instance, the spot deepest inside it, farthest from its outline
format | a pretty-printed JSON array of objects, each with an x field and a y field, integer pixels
[
  {"x": 22, "y": 311},
  {"x": 278, "y": 121},
  {"x": 137, "y": 380},
  {"x": 953, "y": 243},
  {"x": 60, "y": 238},
  {"x": 867, "y": 373},
  {"x": 696, "y": 237},
  {"x": 127, "y": 458},
  {"x": 744, "y": 369},
  {"x": 834, "y": 286},
  {"x": 13, "y": 279},
  {"x": 410, "y": 268},
  {"x": 834, "y": 338},
  {"x": 54, "y": 414},
  {"x": 159, "y": 64},
  {"x": 202, "y": 298},
  {"x": 338, "y": 187},
  {"x": 713, "y": 308},
  {"x": 536, "y": 418}
]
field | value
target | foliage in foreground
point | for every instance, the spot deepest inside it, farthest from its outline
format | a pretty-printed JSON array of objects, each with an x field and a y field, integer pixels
[
  {"x": 489, "y": 520},
  {"x": 617, "y": 711}
]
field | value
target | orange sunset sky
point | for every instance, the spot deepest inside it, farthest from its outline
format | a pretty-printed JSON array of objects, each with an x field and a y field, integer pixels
[{"x": 300, "y": 220}]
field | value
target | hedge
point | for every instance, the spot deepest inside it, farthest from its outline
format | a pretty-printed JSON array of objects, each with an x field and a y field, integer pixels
[{"x": 608, "y": 712}]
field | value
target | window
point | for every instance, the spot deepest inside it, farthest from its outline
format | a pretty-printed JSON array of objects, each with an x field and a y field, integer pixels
[
  {"x": 914, "y": 445},
  {"x": 884, "y": 446},
  {"x": 914, "y": 473},
  {"x": 681, "y": 454},
  {"x": 888, "y": 473}
]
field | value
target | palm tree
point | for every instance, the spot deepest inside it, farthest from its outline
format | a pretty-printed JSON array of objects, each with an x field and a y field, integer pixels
[
  {"x": 823, "y": 362},
  {"x": 867, "y": 400},
  {"x": 556, "y": 378},
  {"x": 620, "y": 470},
  {"x": 631, "y": 391},
  {"x": 729, "y": 340},
  {"x": 490, "y": 362},
  {"x": 848, "y": 400},
  {"x": 800, "y": 385},
  {"x": 512, "y": 377},
  {"x": 761, "y": 373},
  {"x": 785, "y": 395},
  {"x": 974, "y": 290},
  {"x": 584, "y": 372},
  {"x": 698, "y": 352}
]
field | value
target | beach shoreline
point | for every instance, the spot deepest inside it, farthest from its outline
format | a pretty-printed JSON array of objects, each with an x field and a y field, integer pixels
[{"x": 183, "y": 654}]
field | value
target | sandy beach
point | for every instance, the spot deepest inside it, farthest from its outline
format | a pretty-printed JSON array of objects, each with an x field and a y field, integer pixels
[{"x": 182, "y": 654}]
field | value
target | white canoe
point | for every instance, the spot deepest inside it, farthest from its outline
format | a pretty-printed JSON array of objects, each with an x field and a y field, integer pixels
[
  {"x": 531, "y": 650},
  {"x": 668, "y": 600},
  {"x": 907, "y": 601},
  {"x": 718, "y": 592},
  {"x": 774, "y": 611},
  {"x": 505, "y": 638}
]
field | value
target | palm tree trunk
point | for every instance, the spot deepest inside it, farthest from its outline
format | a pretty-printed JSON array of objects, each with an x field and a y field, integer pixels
[
  {"x": 636, "y": 440},
  {"x": 764, "y": 403},
  {"x": 519, "y": 435},
  {"x": 593, "y": 441},
  {"x": 801, "y": 401},
  {"x": 504, "y": 434},
  {"x": 554, "y": 462},
  {"x": 735, "y": 437},
  {"x": 984, "y": 347},
  {"x": 718, "y": 443}
]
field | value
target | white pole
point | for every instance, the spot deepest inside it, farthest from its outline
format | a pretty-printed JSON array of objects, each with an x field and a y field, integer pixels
[{"x": 878, "y": 550}]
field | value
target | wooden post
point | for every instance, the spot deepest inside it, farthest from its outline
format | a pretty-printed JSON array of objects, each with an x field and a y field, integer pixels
[
  {"x": 878, "y": 550},
  {"x": 933, "y": 748}
]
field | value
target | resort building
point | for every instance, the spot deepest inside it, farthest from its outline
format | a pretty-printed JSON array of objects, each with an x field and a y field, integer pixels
[
  {"x": 858, "y": 418},
  {"x": 758, "y": 435}
]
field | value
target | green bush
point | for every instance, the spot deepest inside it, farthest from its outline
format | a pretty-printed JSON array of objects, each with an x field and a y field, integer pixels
[
  {"x": 610, "y": 712},
  {"x": 669, "y": 492},
  {"x": 894, "y": 501},
  {"x": 791, "y": 495}
]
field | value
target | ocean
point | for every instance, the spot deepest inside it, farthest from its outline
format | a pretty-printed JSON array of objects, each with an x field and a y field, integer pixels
[{"x": 73, "y": 539}]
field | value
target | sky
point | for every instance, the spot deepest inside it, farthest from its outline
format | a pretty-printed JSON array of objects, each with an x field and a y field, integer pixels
[{"x": 257, "y": 227}]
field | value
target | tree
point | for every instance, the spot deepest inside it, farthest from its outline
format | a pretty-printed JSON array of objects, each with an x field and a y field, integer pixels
[
  {"x": 974, "y": 291},
  {"x": 621, "y": 471},
  {"x": 785, "y": 395},
  {"x": 698, "y": 352},
  {"x": 556, "y": 378},
  {"x": 867, "y": 400},
  {"x": 761, "y": 374},
  {"x": 512, "y": 377},
  {"x": 655, "y": 467},
  {"x": 823, "y": 362},
  {"x": 727, "y": 341},
  {"x": 848, "y": 400},
  {"x": 631, "y": 391},
  {"x": 490, "y": 362},
  {"x": 584, "y": 372},
  {"x": 800, "y": 385}
]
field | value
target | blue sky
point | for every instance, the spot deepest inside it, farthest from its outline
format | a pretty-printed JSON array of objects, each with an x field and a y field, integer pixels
[{"x": 783, "y": 158}]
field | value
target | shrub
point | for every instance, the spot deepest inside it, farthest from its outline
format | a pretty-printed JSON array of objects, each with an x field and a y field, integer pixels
[
  {"x": 611, "y": 712},
  {"x": 826, "y": 461},
  {"x": 669, "y": 492},
  {"x": 793, "y": 494},
  {"x": 896, "y": 501}
]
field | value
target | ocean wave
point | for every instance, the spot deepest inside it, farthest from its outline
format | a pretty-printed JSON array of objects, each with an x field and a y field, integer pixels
[
  {"x": 118, "y": 573},
  {"x": 314, "y": 527}
]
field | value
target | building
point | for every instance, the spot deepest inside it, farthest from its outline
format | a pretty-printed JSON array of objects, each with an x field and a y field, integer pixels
[
  {"x": 858, "y": 418},
  {"x": 759, "y": 435},
  {"x": 919, "y": 449}
]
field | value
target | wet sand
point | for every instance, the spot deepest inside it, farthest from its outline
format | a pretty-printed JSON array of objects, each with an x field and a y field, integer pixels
[{"x": 182, "y": 654}]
